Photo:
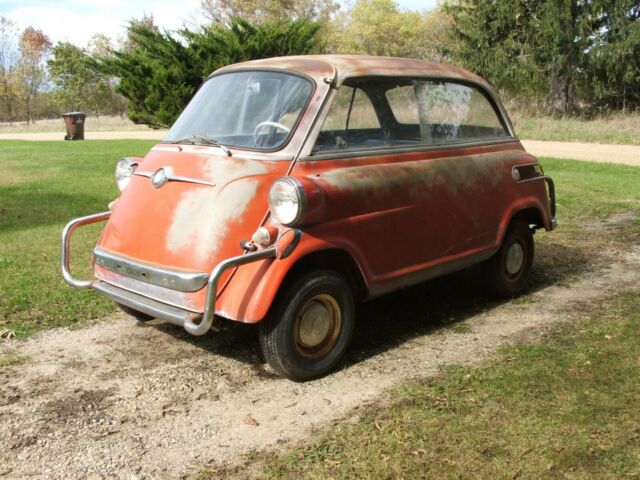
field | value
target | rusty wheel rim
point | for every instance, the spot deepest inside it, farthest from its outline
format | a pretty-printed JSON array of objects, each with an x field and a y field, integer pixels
[
  {"x": 317, "y": 326},
  {"x": 515, "y": 259}
]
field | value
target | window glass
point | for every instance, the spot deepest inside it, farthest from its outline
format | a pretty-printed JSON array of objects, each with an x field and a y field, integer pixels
[
  {"x": 402, "y": 100},
  {"x": 252, "y": 109},
  {"x": 344, "y": 114},
  {"x": 444, "y": 111},
  {"x": 383, "y": 112},
  {"x": 351, "y": 122}
]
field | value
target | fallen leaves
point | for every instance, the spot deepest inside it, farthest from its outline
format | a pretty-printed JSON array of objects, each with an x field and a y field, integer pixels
[{"x": 249, "y": 420}]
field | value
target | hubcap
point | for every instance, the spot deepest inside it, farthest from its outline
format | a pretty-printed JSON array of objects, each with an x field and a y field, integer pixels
[
  {"x": 317, "y": 326},
  {"x": 515, "y": 259}
]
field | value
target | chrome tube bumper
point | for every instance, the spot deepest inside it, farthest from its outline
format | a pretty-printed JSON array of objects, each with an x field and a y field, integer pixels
[
  {"x": 65, "y": 254},
  {"x": 157, "y": 309},
  {"x": 552, "y": 200}
]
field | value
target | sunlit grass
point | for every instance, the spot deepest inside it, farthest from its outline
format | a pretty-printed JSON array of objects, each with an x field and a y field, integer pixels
[{"x": 43, "y": 185}]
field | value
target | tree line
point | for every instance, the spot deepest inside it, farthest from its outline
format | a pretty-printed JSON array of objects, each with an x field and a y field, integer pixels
[{"x": 568, "y": 56}]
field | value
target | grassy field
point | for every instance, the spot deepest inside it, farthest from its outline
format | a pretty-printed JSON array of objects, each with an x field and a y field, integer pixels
[
  {"x": 621, "y": 129},
  {"x": 564, "y": 408},
  {"x": 43, "y": 185}
]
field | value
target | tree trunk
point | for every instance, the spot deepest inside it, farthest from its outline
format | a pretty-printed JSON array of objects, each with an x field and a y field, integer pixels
[{"x": 558, "y": 99}]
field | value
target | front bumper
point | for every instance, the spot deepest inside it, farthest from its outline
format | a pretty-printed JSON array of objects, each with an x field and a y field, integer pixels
[{"x": 194, "y": 323}]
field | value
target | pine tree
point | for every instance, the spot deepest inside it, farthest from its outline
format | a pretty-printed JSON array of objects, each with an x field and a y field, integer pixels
[
  {"x": 159, "y": 72},
  {"x": 563, "y": 49}
]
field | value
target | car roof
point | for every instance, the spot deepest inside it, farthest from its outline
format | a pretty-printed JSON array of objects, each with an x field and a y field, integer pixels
[{"x": 342, "y": 67}]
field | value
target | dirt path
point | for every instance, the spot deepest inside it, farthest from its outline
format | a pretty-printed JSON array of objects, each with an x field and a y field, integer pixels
[
  {"x": 127, "y": 400},
  {"x": 148, "y": 134},
  {"x": 594, "y": 152}
]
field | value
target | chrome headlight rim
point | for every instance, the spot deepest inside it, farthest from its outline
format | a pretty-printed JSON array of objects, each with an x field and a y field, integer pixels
[
  {"x": 297, "y": 187},
  {"x": 124, "y": 171}
]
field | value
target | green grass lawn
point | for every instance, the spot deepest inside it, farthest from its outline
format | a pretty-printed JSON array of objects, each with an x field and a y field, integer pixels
[
  {"x": 622, "y": 129},
  {"x": 43, "y": 185},
  {"x": 563, "y": 408}
]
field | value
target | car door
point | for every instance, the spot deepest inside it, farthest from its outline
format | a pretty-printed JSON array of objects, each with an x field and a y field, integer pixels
[{"x": 402, "y": 181}]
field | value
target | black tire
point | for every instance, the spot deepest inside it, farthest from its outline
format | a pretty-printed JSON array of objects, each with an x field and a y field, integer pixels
[
  {"x": 505, "y": 274},
  {"x": 322, "y": 300},
  {"x": 141, "y": 317}
]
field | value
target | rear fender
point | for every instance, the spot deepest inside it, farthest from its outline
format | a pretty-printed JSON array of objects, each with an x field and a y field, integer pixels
[{"x": 525, "y": 204}]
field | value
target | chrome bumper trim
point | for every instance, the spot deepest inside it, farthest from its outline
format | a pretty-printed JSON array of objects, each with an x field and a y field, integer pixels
[
  {"x": 65, "y": 254},
  {"x": 162, "y": 277},
  {"x": 147, "y": 305},
  {"x": 156, "y": 309}
]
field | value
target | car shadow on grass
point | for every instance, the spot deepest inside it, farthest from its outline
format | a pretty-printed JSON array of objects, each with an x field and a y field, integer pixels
[
  {"x": 391, "y": 320},
  {"x": 29, "y": 206}
]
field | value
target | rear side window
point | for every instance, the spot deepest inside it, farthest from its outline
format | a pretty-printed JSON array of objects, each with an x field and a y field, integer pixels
[
  {"x": 445, "y": 111},
  {"x": 399, "y": 112}
]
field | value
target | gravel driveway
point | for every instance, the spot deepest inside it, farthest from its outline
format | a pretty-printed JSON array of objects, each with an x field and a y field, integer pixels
[{"x": 126, "y": 400}]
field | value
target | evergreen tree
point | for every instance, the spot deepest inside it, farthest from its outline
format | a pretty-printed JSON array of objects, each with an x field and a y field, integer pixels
[
  {"x": 159, "y": 72},
  {"x": 614, "y": 58},
  {"x": 564, "y": 49}
]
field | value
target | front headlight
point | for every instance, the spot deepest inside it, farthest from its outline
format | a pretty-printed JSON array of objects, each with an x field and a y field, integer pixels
[
  {"x": 287, "y": 201},
  {"x": 124, "y": 169}
]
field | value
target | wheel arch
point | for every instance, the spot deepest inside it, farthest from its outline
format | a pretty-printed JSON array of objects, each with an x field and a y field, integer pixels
[
  {"x": 530, "y": 215},
  {"x": 529, "y": 210},
  {"x": 334, "y": 259},
  {"x": 249, "y": 295}
]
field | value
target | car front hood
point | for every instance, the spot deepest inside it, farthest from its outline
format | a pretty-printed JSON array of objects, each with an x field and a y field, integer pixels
[{"x": 185, "y": 225}]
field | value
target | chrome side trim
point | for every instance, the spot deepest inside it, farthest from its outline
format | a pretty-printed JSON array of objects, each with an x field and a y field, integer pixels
[
  {"x": 176, "y": 178},
  {"x": 163, "y": 277},
  {"x": 65, "y": 253},
  {"x": 399, "y": 149}
]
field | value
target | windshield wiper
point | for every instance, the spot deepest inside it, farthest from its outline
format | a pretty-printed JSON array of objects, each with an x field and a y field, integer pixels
[{"x": 202, "y": 140}]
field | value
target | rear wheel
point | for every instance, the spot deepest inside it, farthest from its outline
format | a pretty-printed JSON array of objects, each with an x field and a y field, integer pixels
[
  {"x": 508, "y": 270},
  {"x": 309, "y": 328},
  {"x": 141, "y": 317}
]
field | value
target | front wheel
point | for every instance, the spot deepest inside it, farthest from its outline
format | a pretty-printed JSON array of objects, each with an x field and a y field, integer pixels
[
  {"x": 508, "y": 271},
  {"x": 309, "y": 328}
]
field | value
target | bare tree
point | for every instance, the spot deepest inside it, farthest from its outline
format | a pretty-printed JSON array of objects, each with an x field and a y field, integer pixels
[{"x": 255, "y": 11}]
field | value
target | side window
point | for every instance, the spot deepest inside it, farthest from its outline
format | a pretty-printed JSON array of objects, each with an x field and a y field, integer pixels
[
  {"x": 402, "y": 101},
  {"x": 439, "y": 112},
  {"x": 352, "y": 122}
]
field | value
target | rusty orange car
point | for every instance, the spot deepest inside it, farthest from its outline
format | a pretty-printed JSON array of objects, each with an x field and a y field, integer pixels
[{"x": 292, "y": 188}]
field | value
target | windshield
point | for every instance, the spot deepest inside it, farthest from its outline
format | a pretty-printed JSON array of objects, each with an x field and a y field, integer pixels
[{"x": 256, "y": 110}]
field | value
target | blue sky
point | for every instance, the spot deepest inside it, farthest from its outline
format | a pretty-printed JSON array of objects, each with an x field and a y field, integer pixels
[{"x": 78, "y": 20}]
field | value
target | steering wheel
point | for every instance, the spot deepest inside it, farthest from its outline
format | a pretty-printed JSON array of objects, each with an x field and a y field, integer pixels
[{"x": 257, "y": 136}]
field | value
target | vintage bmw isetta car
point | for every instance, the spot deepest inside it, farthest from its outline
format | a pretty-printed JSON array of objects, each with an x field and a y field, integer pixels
[{"x": 291, "y": 188}]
